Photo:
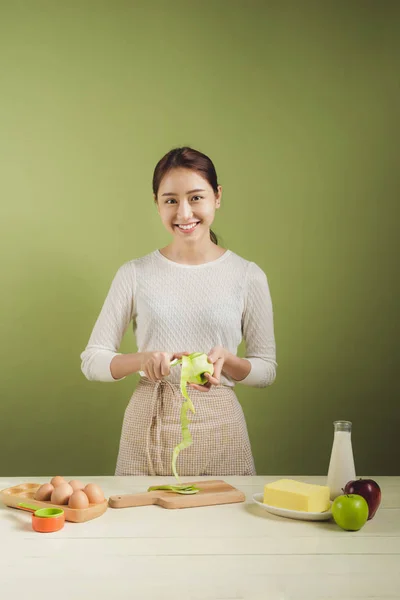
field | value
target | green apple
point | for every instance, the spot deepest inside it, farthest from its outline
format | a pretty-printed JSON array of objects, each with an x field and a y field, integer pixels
[{"x": 350, "y": 511}]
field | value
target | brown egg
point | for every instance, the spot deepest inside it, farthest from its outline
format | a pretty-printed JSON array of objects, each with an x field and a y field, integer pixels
[
  {"x": 62, "y": 494},
  {"x": 57, "y": 480},
  {"x": 44, "y": 492},
  {"x": 94, "y": 493},
  {"x": 78, "y": 500},
  {"x": 76, "y": 485}
]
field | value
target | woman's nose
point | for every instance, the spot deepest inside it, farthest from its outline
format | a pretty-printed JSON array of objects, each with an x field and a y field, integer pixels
[{"x": 184, "y": 210}]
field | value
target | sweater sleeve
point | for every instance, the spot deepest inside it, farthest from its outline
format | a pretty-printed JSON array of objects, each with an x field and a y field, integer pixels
[
  {"x": 111, "y": 324},
  {"x": 258, "y": 329}
]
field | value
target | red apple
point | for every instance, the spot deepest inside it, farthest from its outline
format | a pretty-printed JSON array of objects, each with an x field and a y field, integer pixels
[{"x": 368, "y": 489}]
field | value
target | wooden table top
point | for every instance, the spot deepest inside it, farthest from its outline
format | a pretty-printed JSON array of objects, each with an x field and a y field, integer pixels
[{"x": 235, "y": 551}]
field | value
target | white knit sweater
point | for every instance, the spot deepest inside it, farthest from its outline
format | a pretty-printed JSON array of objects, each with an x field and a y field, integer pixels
[{"x": 177, "y": 307}]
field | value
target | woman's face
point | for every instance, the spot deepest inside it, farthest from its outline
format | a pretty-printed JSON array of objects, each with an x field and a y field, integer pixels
[{"x": 186, "y": 204}]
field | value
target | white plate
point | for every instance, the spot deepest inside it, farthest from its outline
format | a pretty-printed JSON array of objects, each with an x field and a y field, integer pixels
[{"x": 293, "y": 514}]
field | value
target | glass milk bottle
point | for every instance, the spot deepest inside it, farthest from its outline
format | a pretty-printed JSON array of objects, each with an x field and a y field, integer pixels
[{"x": 341, "y": 466}]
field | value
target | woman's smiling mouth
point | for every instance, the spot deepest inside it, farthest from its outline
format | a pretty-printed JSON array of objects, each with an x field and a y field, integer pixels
[{"x": 188, "y": 228}]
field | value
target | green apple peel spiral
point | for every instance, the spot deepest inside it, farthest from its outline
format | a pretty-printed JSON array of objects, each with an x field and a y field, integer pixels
[{"x": 194, "y": 367}]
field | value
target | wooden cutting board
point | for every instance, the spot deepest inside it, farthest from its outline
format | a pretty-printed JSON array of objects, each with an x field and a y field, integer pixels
[
  {"x": 211, "y": 492},
  {"x": 25, "y": 492}
]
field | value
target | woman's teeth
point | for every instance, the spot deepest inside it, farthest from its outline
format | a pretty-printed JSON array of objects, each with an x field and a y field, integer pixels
[{"x": 187, "y": 227}]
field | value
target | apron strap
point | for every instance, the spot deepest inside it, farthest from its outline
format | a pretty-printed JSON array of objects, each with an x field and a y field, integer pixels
[{"x": 155, "y": 420}]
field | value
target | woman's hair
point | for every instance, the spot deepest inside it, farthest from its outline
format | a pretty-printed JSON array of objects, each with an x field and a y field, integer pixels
[{"x": 186, "y": 158}]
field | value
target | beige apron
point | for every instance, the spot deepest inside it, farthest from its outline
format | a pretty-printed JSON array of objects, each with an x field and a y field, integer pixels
[{"x": 151, "y": 429}]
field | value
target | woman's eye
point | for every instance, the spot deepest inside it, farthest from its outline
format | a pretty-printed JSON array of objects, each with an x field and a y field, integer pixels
[{"x": 173, "y": 201}]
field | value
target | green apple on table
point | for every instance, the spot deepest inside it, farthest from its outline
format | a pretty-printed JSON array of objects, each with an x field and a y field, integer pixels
[{"x": 350, "y": 511}]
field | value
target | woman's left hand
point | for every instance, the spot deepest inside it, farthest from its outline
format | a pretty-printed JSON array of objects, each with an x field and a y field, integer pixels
[{"x": 216, "y": 356}]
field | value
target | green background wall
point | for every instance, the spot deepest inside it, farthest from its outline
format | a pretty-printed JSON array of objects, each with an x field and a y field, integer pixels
[{"x": 297, "y": 105}]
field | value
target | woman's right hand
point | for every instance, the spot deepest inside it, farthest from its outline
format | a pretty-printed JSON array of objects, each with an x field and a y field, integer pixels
[{"x": 156, "y": 365}]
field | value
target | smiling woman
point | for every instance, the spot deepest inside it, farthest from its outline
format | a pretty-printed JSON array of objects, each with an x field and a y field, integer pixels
[
  {"x": 187, "y": 209},
  {"x": 190, "y": 296}
]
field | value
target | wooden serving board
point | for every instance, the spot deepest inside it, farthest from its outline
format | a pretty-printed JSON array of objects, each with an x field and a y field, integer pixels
[
  {"x": 211, "y": 492},
  {"x": 25, "y": 492}
]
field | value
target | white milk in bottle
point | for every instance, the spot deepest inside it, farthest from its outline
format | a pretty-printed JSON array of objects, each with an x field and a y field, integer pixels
[{"x": 341, "y": 466}]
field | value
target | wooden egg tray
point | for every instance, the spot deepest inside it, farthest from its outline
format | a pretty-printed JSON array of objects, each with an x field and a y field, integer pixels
[{"x": 25, "y": 492}]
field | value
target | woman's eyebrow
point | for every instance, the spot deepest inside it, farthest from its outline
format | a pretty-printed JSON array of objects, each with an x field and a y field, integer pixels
[{"x": 189, "y": 192}]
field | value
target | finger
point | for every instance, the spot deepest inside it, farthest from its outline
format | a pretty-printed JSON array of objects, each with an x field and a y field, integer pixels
[
  {"x": 200, "y": 388},
  {"x": 179, "y": 355},
  {"x": 151, "y": 374},
  {"x": 213, "y": 380},
  {"x": 214, "y": 355},
  {"x": 216, "y": 375},
  {"x": 209, "y": 377},
  {"x": 158, "y": 370},
  {"x": 164, "y": 367},
  {"x": 217, "y": 371}
]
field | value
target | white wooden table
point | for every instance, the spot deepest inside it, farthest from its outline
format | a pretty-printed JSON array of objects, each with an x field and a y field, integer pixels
[{"x": 222, "y": 552}]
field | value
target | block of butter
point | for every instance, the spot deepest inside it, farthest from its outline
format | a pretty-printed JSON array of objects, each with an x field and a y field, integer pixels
[{"x": 296, "y": 495}]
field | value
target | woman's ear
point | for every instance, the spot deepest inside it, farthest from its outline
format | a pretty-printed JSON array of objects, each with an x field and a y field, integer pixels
[
  {"x": 155, "y": 202},
  {"x": 218, "y": 197}
]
